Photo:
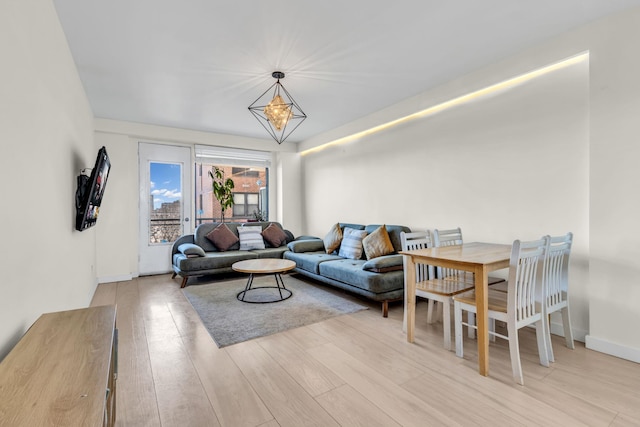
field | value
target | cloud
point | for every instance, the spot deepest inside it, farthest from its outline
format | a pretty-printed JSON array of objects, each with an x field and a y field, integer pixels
[{"x": 167, "y": 194}]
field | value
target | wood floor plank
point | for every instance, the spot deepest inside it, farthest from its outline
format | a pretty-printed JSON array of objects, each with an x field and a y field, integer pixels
[
  {"x": 350, "y": 408},
  {"x": 401, "y": 405},
  {"x": 136, "y": 396},
  {"x": 289, "y": 403},
  {"x": 181, "y": 398},
  {"x": 313, "y": 376},
  {"x": 369, "y": 351},
  {"x": 230, "y": 393}
]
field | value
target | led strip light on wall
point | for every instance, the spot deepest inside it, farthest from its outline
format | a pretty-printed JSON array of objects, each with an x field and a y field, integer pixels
[{"x": 507, "y": 84}]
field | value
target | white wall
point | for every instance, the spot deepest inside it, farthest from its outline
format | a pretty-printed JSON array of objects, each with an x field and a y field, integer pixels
[
  {"x": 567, "y": 139},
  {"x": 117, "y": 236},
  {"x": 615, "y": 174},
  {"x": 507, "y": 166},
  {"x": 46, "y": 138}
]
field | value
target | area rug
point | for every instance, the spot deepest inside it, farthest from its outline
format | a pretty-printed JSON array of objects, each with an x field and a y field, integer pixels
[{"x": 230, "y": 321}]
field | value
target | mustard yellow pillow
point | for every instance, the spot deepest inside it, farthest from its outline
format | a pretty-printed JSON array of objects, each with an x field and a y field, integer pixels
[
  {"x": 333, "y": 239},
  {"x": 378, "y": 243}
]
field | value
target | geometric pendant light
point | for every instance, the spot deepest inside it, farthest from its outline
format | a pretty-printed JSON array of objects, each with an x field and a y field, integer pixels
[{"x": 277, "y": 112}]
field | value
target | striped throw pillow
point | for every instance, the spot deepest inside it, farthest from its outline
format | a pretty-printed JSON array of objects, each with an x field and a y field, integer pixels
[
  {"x": 250, "y": 238},
  {"x": 351, "y": 246}
]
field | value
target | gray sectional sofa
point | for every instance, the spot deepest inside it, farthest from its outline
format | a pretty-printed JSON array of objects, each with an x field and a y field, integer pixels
[
  {"x": 380, "y": 279},
  {"x": 197, "y": 255}
]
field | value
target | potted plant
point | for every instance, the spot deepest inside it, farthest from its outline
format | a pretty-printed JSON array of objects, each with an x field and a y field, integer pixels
[
  {"x": 222, "y": 189},
  {"x": 259, "y": 216}
]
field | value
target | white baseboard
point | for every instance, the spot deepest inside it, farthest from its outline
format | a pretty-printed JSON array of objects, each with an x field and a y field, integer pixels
[
  {"x": 613, "y": 349},
  {"x": 111, "y": 279},
  {"x": 578, "y": 334}
]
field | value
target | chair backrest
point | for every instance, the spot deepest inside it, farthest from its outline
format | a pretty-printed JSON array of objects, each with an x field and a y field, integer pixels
[
  {"x": 448, "y": 238},
  {"x": 418, "y": 240},
  {"x": 555, "y": 276},
  {"x": 525, "y": 280}
]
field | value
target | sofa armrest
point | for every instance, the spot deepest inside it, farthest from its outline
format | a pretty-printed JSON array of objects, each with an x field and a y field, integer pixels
[
  {"x": 311, "y": 245},
  {"x": 187, "y": 238},
  {"x": 384, "y": 264},
  {"x": 191, "y": 249}
]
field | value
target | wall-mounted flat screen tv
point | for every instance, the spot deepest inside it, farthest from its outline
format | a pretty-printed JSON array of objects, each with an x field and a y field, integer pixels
[{"x": 90, "y": 192}]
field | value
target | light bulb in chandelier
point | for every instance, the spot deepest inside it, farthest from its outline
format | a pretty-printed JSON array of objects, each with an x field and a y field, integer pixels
[{"x": 278, "y": 112}]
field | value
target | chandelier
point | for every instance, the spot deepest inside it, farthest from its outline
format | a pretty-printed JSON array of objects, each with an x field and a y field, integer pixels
[{"x": 276, "y": 110}]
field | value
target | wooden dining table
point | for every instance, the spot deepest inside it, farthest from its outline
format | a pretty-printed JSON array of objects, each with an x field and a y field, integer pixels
[{"x": 478, "y": 258}]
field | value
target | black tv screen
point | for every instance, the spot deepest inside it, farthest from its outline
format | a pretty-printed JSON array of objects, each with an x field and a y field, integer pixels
[{"x": 90, "y": 192}]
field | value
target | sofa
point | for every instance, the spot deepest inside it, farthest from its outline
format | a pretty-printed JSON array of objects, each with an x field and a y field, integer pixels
[
  {"x": 379, "y": 277},
  {"x": 215, "y": 247}
]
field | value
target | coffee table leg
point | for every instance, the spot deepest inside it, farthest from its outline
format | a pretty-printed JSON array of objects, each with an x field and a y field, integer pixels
[
  {"x": 280, "y": 283},
  {"x": 246, "y": 288}
]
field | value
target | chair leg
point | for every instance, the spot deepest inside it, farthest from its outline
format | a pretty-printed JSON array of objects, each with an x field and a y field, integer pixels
[
  {"x": 492, "y": 328},
  {"x": 446, "y": 323},
  {"x": 385, "y": 308},
  {"x": 184, "y": 282},
  {"x": 431, "y": 308},
  {"x": 457, "y": 315},
  {"x": 542, "y": 336},
  {"x": 566, "y": 324},
  {"x": 173, "y": 276},
  {"x": 514, "y": 350},
  {"x": 404, "y": 315},
  {"x": 547, "y": 337}
]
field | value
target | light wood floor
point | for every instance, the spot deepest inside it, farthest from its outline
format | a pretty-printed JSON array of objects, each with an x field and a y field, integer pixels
[{"x": 352, "y": 370}]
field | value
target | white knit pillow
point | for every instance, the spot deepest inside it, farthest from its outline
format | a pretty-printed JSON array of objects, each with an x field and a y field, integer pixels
[
  {"x": 351, "y": 246},
  {"x": 250, "y": 238}
]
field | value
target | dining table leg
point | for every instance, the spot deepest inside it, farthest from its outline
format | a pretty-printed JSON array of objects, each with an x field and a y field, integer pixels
[
  {"x": 410, "y": 285},
  {"x": 481, "y": 283}
]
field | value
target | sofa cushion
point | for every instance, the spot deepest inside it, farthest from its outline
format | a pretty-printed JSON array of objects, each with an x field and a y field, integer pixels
[
  {"x": 274, "y": 235},
  {"x": 189, "y": 249},
  {"x": 377, "y": 243},
  {"x": 270, "y": 252},
  {"x": 310, "y": 261},
  {"x": 333, "y": 239},
  {"x": 222, "y": 238},
  {"x": 350, "y": 271},
  {"x": 384, "y": 264},
  {"x": 310, "y": 245},
  {"x": 211, "y": 261},
  {"x": 351, "y": 246},
  {"x": 251, "y": 238}
]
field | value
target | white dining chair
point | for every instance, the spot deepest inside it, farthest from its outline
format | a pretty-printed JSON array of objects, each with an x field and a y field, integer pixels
[
  {"x": 430, "y": 287},
  {"x": 517, "y": 307},
  {"x": 555, "y": 280},
  {"x": 451, "y": 237}
]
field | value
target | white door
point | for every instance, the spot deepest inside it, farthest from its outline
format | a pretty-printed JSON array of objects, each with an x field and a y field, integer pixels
[{"x": 165, "y": 203}]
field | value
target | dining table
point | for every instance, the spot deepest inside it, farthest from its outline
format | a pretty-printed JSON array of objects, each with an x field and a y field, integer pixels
[{"x": 476, "y": 257}]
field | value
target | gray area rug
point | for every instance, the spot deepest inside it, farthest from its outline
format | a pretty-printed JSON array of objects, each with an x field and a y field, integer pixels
[{"x": 230, "y": 321}]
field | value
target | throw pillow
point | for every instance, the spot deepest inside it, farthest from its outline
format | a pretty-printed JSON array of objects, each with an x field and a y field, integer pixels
[
  {"x": 333, "y": 239},
  {"x": 351, "y": 246},
  {"x": 250, "y": 238},
  {"x": 222, "y": 237},
  {"x": 378, "y": 243},
  {"x": 274, "y": 235},
  {"x": 191, "y": 250}
]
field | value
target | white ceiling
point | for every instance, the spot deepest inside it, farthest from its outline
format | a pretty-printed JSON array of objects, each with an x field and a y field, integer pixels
[{"x": 198, "y": 64}]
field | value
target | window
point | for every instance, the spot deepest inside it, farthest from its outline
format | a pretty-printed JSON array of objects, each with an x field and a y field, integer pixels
[{"x": 249, "y": 171}]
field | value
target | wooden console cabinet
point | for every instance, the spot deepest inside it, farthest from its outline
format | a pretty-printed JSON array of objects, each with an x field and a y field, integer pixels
[{"x": 63, "y": 371}]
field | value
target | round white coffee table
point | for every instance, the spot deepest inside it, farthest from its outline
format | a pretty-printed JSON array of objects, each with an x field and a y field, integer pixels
[{"x": 264, "y": 266}]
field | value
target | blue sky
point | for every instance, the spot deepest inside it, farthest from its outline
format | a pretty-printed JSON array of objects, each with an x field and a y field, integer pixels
[{"x": 165, "y": 183}]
